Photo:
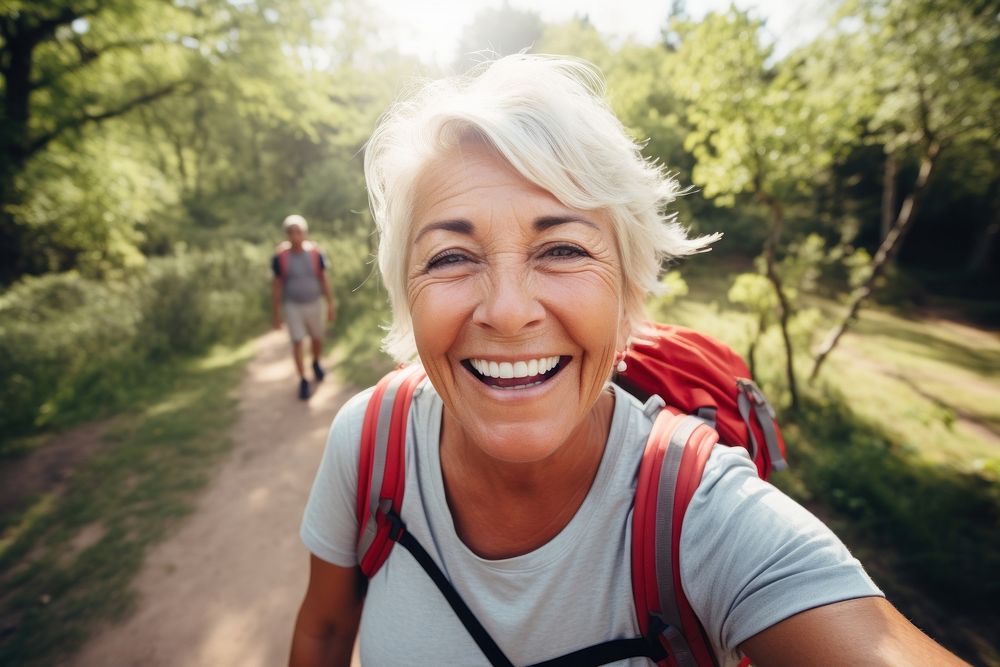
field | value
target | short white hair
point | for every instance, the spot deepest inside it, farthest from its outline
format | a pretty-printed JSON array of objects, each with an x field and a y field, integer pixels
[
  {"x": 546, "y": 116},
  {"x": 295, "y": 220}
]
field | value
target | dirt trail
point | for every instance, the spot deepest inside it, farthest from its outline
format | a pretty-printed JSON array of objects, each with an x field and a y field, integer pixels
[{"x": 225, "y": 587}]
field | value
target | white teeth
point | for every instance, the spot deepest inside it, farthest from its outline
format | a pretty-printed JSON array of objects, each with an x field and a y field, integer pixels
[{"x": 517, "y": 369}]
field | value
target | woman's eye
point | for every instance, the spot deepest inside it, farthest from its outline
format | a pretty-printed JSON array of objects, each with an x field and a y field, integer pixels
[
  {"x": 447, "y": 258},
  {"x": 570, "y": 251}
]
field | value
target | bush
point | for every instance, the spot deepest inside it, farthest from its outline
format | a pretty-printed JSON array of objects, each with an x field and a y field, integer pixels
[{"x": 71, "y": 345}]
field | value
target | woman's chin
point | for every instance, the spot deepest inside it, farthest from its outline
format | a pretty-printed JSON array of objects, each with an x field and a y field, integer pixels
[{"x": 524, "y": 442}]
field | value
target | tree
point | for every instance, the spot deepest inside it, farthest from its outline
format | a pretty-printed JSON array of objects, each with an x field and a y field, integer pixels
[
  {"x": 500, "y": 31},
  {"x": 754, "y": 131},
  {"x": 67, "y": 66},
  {"x": 925, "y": 73}
]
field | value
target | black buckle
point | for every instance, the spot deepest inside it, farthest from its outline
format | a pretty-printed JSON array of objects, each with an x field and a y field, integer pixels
[
  {"x": 657, "y": 651},
  {"x": 396, "y": 526}
]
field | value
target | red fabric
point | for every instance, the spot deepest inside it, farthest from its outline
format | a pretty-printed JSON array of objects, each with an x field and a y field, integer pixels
[
  {"x": 696, "y": 453},
  {"x": 314, "y": 255},
  {"x": 644, "y": 587},
  {"x": 690, "y": 370},
  {"x": 394, "y": 476},
  {"x": 367, "y": 453}
]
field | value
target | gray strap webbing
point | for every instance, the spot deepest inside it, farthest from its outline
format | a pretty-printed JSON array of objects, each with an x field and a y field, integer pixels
[
  {"x": 750, "y": 392},
  {"x": 378, "y": 463},
  {"x": 766, "y": 420},
  {"x": 743, "y": 403},
  {"x": 707, "y": 414},
  {"x": 670, "y": 615}
]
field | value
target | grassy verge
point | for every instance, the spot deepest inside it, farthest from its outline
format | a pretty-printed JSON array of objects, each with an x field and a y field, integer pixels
[
  {"x": 67, "y": 561},
  {"x": 896, "y": 447}
]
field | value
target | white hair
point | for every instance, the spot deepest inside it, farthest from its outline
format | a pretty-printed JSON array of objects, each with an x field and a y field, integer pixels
[
  {"x": 295, "y": 220},
  {"x": 546, "y": 116}
]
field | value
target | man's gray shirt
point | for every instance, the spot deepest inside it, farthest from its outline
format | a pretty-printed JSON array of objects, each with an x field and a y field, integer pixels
[{"x": 302, "y": 285}]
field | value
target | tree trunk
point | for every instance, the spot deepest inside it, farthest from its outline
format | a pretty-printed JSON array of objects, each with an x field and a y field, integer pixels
[
  {"x": 888, "y": 195},
  {"x": 890, "y": 246},
  {"x": 985, "y": 244},
  {"x": 985, "y": 247},
  {"x": 784, "y": 308},
  {"x": 16, "y": 72},
  {"x": 752, "y": 349}
]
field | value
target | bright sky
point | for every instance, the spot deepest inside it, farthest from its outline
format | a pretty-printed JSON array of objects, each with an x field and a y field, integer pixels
[{"x": 430, "y": 29}]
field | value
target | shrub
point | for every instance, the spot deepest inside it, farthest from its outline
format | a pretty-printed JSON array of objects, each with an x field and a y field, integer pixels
[{"x": 71, "y": 345}]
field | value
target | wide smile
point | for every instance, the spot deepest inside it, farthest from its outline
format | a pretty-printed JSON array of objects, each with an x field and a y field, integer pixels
[{"x": 515, "y": 374}]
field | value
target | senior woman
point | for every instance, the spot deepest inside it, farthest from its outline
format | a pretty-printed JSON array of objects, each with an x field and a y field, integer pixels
[{"x": 520, "y": 231}]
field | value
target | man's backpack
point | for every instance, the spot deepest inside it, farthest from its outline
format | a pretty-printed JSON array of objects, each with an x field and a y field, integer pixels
[
  {"x": 284, "y": 250},
  {"x": 709, "y": 397}
]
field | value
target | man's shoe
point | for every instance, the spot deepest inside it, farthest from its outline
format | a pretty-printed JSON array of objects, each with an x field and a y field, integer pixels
[
  {"x": 303, "y": 389},
  {"x": 318, "y": 371}
]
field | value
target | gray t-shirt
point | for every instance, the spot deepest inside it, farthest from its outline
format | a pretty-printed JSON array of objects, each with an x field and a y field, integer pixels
[
  {"x": 749, "y": 555},
  {"x": 301, "y": 284}
]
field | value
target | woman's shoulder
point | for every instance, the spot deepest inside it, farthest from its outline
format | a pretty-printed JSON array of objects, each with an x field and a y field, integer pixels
[{"x": 345, "y": 431}]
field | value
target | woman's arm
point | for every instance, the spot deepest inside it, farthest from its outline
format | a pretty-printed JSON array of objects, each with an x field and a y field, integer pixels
[
  {"x": 328, "y": 619},
  {"x": 865, "y": 631}
]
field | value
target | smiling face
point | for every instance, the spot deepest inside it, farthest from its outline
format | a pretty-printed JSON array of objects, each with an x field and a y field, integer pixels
[{"x": 516, "y": 302}]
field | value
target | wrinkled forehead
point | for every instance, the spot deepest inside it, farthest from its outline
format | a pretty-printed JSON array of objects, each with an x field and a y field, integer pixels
[{"x": 456, "y": 171}]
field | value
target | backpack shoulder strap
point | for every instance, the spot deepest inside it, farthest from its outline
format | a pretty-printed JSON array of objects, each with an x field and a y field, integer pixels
[
  {"x": 382, "y": 464},
  {"x": 317, "y": 259},
  {"x": 281, "y": 253},
  {"x": 283, "y": 249},
  {"x": 672, "y": 465}
]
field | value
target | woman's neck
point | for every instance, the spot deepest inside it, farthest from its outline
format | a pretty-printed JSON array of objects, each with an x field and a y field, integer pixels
[{"x": 503, "y": 509}]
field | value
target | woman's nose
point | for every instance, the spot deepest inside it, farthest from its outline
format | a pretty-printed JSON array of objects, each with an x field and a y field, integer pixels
[{"x": 509, "y": 304}]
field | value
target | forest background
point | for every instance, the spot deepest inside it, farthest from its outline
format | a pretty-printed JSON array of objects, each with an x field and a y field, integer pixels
[{"x": 150, "y": 150}]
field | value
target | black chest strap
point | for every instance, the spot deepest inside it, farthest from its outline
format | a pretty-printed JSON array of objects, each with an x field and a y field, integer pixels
[{"x": 592, "y": 656}]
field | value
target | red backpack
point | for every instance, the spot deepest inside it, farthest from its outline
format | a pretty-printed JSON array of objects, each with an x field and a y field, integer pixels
[
  {"x": 284, "y": 249},
  {"x": 710, "y": 398}
]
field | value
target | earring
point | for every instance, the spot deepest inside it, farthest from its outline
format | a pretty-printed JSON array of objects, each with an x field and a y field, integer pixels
[{"x": 621, "y": 366}]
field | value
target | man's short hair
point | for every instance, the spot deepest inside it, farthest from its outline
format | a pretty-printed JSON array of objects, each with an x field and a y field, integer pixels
[{"x": 295, "y": 220}]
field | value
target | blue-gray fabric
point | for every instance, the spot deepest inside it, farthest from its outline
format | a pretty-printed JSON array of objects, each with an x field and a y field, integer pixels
[
  {"x": 749, "y": 555},
  {"x": 301, "y": 284}
]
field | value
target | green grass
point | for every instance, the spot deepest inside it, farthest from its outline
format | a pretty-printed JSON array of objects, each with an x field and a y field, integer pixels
[
  {"x": 127, "y": 497},
  {"x": 897, "y": 447}
]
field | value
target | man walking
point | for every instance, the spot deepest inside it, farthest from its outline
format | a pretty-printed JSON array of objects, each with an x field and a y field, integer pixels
[{"x": 299, "y": 282}]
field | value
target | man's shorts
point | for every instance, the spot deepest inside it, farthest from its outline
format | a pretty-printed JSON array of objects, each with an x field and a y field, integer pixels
[{"x": 304, "y": 318}]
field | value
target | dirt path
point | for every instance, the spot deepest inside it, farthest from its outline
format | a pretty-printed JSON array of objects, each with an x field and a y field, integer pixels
[{"x": 224, "y": 589}]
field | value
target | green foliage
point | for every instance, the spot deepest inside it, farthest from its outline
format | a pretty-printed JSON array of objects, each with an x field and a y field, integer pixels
[
  {"x": 672, "y": 288},
  {"x": 88, "y": 207},
  {"x": 72, "y": 346},
  {"x": 922, "y": 71},
  {"x": 579, "y": 38},
  {"x": 943, "y": 525},
  {"x": 752, "y": 127},
  {"x": 500, "y": 31},
  {"x": 129, "y": 495}
]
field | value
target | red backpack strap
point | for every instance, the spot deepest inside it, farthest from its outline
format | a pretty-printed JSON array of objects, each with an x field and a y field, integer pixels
[
  {"x": 701, "y": 375},
  {"x": 282, "y": 255},
  {"x": 671, "y": 470},
  {"x": 382, "y": 464},
  {"x": 315, "y": 257}
]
